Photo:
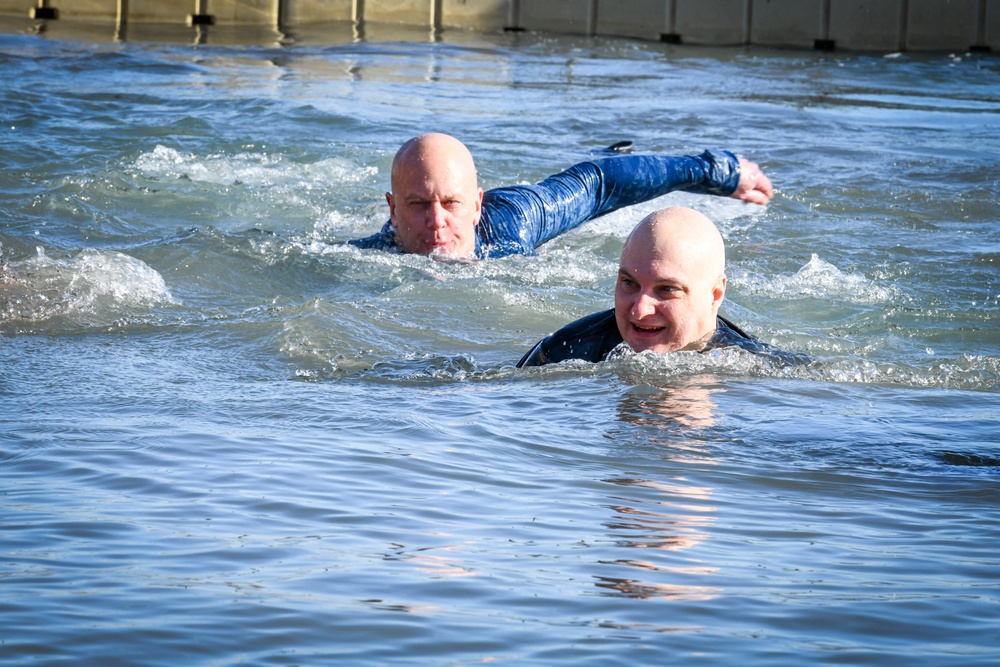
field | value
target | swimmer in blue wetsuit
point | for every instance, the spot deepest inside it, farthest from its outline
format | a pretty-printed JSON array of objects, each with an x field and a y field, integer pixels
[
  {"x": 437, "y": 207},
  {"x": 671, "y": 283}
]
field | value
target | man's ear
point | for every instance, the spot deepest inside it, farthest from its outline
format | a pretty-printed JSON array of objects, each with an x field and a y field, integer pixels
[
  {"x": 479, "y": 207},
  {"x": 719, "y": 291},
  {"x": 392, "y": 208}
]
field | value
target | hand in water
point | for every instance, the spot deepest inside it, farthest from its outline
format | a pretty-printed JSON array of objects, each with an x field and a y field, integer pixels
[{"x": 754, "y": 186}]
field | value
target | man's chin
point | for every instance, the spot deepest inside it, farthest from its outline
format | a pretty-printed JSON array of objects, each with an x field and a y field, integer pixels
[
  {"x": 654, "y": 347},
  {"x": 448, "y": 251}
]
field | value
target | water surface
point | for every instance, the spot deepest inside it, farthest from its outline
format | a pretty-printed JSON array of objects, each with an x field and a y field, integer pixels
[{"x": 229, "y": 438}]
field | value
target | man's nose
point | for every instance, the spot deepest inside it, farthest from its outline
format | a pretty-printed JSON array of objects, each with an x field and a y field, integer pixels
[
  {"x": 644, "y": 305},
  {"x": 436, "y": 216}
]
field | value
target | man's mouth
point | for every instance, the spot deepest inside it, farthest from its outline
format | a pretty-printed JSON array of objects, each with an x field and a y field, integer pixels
[
  {"x": 443, "y": 249},
  {"x": 641, "y": 329}
]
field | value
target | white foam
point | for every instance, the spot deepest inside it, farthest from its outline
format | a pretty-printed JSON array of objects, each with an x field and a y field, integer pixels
[
  {"x": 728, "y": 214},
  {"x": 94, "y": 282},
  {"x": 254, "y": 170},
  {"x": 818, "y": 279}
]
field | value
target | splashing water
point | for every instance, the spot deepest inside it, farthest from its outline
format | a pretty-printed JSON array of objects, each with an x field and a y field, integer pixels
[
  {"x": 91, "y": 287},
  {"x": 215, "y": 414}
]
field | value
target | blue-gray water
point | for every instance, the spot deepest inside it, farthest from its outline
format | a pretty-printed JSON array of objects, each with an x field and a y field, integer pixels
[{"x": 229, "y": 439}]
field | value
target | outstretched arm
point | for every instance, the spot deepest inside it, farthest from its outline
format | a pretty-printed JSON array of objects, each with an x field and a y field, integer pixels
[{"x": 529, "y": 215}]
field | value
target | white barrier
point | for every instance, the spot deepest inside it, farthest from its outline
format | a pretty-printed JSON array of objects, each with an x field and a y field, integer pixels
[{"x": 877, "y": 25}]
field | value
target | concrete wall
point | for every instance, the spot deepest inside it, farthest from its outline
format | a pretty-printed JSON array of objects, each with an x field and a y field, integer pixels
[
  {"x": 645, "y": 19},
  {"x": 479, "y": 14},
  {"x": 864, "y": 24},
  {"x": 723, "y": 22},
  {"x": 317, "y": 11},
  {"x": 876, "y": 25},
  {"x": 933, "y": 24}
]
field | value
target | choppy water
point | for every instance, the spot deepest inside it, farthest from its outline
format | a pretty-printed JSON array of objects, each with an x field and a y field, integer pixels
[{"x": 228, "y": 438}]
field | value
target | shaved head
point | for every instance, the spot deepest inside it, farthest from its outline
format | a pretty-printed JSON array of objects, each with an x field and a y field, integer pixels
[
  {"x": 671, "y": 281},
  {"x": 436, "y": 200},
  {"x": 684, "y": 234},
  {"x": 433, "y": 147}
]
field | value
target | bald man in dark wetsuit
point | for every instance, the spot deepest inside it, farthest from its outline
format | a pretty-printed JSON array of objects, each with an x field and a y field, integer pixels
[{"x": 671, "y": 283}]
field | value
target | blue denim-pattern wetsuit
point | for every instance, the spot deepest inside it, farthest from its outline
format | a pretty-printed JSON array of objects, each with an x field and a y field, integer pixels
[
  {"x": 517, "y": 219},
  {"x": 592, "y": 338}
]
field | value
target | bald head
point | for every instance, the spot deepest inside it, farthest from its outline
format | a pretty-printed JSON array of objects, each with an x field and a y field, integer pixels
[
  {"x": 433, "y": 147},
  {"x": 671, "y": 281},
  {"x": 682, "y": 233},
  {"x": 435, "y": 201}
]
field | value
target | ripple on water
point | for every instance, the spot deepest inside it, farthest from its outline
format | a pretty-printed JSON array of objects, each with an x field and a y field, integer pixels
[{"x": 168, "y": 476}]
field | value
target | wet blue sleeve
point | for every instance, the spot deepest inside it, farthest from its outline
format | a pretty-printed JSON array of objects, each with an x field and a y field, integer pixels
[
  {"x": 519, "y": 218},
  {"x": 381, "y": 240}
]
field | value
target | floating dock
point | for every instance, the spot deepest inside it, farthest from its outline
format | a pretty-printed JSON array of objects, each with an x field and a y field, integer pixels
[{"x": 857, "y": 25}]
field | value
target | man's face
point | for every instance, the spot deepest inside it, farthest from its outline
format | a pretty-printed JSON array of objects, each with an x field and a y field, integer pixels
[
  {"x": 665, "y": 300},
  {"x": 435, "y": 204}
]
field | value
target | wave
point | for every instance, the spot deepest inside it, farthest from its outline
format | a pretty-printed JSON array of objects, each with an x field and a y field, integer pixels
[
  {"x": 89, "y": 288},
  {"x": 821, "y": 280},
  {"x": 251, "y": 169}
]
